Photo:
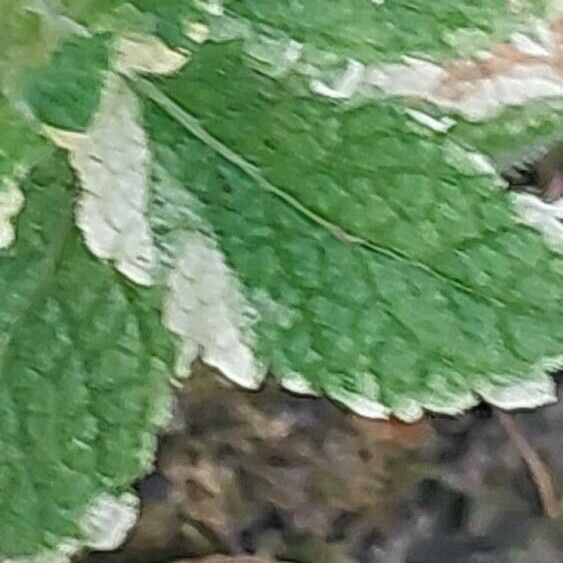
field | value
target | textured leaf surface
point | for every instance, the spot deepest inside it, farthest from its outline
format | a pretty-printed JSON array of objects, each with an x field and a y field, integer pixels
[
  {"x": 422, "y": 304},
  {"x": 112, "y": 161},
  {"x": 20, "y": 148},
  {"x": 371, "y": 31},
  {"x": 66, "y": 93},
  {"x": 82, "y": 382},
  {"x": 164, "y": 19},
  {"x": 343, "y": 165},
  {"x": 345, "y": 244},
  {"x": 19, "y": 144}
]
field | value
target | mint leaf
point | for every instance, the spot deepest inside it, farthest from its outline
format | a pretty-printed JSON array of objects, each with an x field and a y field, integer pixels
[
  {"x": 83, "y": 378},
  {"x": 112, "y": 160},
  {"x": 370, "y": 171},
  {"x": 164, "y": 19},
  {"x": 379, "y": 271},
  {"x": 338, "y": 238},
  {"x": 20, "y": 148}
]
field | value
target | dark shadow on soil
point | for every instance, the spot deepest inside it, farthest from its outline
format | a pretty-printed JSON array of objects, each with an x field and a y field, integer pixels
[{"x": 298, "y": 479}]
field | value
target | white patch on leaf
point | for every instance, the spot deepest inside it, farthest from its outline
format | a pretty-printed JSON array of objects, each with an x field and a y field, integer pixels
[
  {"x": 11, "y": 203},
  {"x": 407, "y": 409},
  {"x": 470, "y": 162},
  {"x": 452, "y": 404},
  {"x": 104, "y": 527},
  {"x": 364, "y": 400},
  {"x": 554, "y": 8},
  {"x": 438, "y": 125},
  {"x": 359, "y": 404},
  {"x": 112, "y": 162},
  {"x": 279, "y": 55},
  {"x": 197, "y": 32},
  {"x": 213, "y": 7},
  {"x": 275, "y": 52},
  {"x": 440, "y": 397},
  {"x": 487, "y": 97},
  {"x": 62, "y": 555},
  {"x": 108, "y": 520},
  {"x": 148, "y": 54},
  {"x": 346, "y": 86},
  {"x": 522, "y": 394},
  {"x": 528, "y": 46},
  {"x": 205, "y": 307},
  {"x": 542, "y": 216},
  {"x": 478, "y": 98},
  {"x": 297, "y": 384},
  {"x": 535, "y": 390},
  {"x": 414, "y": 77},
  {"x": 479, "y": 86}
]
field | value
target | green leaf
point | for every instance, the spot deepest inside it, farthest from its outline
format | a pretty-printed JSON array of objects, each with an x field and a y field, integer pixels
[
  {"x": 164, "y": 19},
  {"x": 345, "y": 248},
  {"x": 372, "y": 31},
  {"x": 29, "y": 34},
  {"x": 67, "y": 91},
  {"x": 381, "y": 265},
  {"x": 81, "y": 363},
  {"x": 370, "y": 171},
  {"x": 518, "y": 136},
  {"x": 20, "y": 146}
]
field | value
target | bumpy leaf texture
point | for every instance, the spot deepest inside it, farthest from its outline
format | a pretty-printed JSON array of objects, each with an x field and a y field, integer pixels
[{"x": 300, "y": 189}]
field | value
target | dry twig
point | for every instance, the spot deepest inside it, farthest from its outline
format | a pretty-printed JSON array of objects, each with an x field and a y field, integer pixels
[{"x": 537, "y": 468}]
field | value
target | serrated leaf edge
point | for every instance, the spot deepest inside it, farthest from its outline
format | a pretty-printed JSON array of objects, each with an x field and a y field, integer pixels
[{"x": 103, "y": 527}]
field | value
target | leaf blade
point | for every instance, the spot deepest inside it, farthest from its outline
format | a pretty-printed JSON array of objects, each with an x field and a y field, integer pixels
[
  {"x": 483, "y": 336},
  {"x": 73, "y": 352}
]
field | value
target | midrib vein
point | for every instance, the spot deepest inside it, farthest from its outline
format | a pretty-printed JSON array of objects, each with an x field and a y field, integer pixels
[{"x": 194, "y": 127}]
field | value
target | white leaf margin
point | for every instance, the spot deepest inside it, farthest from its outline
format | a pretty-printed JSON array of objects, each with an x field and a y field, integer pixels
[
  {"x": 103, "y": 527},
  {"x": 142, "y": 53},
  {"x": 11, "y": 203},
  {"x": 230, "y": 349},
  {"x": 112, "y": 161},
  {"x": 542, "y": 216},
  {"x": 206, "y": 309}
]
